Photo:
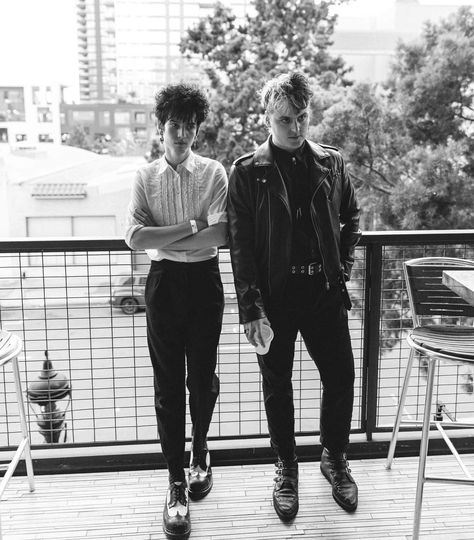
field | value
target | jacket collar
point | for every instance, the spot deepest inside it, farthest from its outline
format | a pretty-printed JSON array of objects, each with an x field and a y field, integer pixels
[
  {"x": 189, "y": 164},
  {"x": 263, "y": 156}
]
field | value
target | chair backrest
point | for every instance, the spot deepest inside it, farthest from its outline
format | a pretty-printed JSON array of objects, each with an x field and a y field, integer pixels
[
  {"x": 428, "y": 295},
  {"x": 10, "y": 346}
]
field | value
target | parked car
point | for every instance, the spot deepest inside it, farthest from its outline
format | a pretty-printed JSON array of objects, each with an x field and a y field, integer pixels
[{"x": 129, "y": 293}]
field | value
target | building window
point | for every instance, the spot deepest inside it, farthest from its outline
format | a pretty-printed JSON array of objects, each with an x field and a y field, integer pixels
[
  {"x": 49, "y": 95},
  {"x": 140, "y": 117},
  {"x": 3, "y": 135},
  {"x": 122, "y": 117},
  {"x": 83, "y": 116},
  {"x": 12, "y": 104},
  {"x": 104, "y": 118},
  {"x": 140, "y": 133},
  {"x": 19, "y": 137},
  {"x": 45, "y": 114},
  {"x": 36, "y": 95},
  {"x": 45, "y": 137}
]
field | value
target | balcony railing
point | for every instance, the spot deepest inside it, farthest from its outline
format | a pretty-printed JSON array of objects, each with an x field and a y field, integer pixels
[{"x": 58, "y": 296}]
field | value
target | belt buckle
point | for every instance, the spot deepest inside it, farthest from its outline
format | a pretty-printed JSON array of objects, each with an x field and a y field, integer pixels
[{"x": 311, "y": 271}]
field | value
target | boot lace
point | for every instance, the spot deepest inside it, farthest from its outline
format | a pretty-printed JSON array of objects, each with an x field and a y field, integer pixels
[{"x": 177, "y": 494}]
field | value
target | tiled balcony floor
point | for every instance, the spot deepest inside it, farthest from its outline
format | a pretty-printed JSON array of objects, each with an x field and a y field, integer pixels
[{"x": 129, "y": 504}]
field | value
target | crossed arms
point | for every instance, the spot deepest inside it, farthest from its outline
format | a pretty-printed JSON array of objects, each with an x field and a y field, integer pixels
[{"x": 178, "y": 237}]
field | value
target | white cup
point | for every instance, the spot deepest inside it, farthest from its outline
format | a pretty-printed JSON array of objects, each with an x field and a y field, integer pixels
[{"x": 267, "y": 334}]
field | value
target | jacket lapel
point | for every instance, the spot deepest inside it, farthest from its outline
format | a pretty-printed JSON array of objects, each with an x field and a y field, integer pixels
[
  {"x": 267, "y": 172},
  {"x": 319, "y": 173}
]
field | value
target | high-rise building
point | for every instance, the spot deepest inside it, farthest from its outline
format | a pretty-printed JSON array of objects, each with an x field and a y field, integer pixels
[
  {"x": 128, "y": 48},
  {"x": 97, "y": 50}
]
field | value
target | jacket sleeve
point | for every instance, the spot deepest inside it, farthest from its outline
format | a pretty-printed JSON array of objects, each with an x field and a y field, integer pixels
[
  {"x": 138, "y": 200},
  {"x": 349, "y": 217},
  {"x": 242, "y": 251}
]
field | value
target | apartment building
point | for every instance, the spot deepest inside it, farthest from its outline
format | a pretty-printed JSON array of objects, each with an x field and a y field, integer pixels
[
  {"x": 128, "y": 48},
  {"x": 135, "y": 121},
  {"x": 29, "y": 114}
]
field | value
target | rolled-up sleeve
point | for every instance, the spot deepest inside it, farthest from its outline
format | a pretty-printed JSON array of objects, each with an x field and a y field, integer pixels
[
  {"x": 137, "y": 201},
  {"x": 217, "y": 208}
]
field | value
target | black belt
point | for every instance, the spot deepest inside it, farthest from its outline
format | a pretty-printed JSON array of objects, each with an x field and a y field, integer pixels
[{"x": 306, "y": 269}]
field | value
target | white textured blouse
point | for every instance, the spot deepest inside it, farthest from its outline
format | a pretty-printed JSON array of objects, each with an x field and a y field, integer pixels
[{"x": 197, "y": 189}]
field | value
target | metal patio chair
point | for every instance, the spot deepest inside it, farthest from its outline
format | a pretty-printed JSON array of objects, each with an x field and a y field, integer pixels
[
  {"x": 437, "y": 340},
  {"x": 10, "y": 348}
]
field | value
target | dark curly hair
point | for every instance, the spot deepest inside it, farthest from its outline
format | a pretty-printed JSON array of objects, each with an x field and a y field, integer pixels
[{"x": 181, "y": 101}]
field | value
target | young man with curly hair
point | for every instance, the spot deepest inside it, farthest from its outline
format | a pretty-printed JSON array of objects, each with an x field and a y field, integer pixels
[
  {"x": 293, "y": 226},
  {"x": 177, "y": 214}
]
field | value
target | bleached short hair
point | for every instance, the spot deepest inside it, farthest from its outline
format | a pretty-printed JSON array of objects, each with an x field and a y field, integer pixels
[{"x": 292, "y": 88}]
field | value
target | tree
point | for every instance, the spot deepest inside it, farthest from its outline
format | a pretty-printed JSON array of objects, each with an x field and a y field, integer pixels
[
  {"x": 155, "y": 152},
  {"x": 433, "y": 80},
  {"x": 79, "y": 138},
  {"x": 368, "y": 130},
  {"x": 435, "y": 192},
  {"x": 281, "y": 35},
  {"x": 398, "y": 140}
]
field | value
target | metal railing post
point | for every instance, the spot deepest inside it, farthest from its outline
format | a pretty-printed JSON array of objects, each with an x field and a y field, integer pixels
[{"x": 372, "y": 309}]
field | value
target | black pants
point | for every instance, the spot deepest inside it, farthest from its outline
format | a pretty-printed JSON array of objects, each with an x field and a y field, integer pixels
[
  {"x": 184, "y": 307},
  {"x": 321, "y": 318}
]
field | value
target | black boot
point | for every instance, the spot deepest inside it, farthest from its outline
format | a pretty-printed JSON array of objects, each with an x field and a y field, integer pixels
[
  {"x": 176, "y": 520},
  {"x": 335, "y": 468},
  {"x": 285, "y": 491},
  {"x": 200, "y": 475}
]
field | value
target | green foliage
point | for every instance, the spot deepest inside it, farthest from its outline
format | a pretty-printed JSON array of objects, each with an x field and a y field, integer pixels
[
  {"x": 433, "y": 80},
  {"x": 280, "y": 35},
  {"x": 434, "y": 192},
  {"x": 155, "y": 151},
  {"x": 373, "y": 139},
  {"x": 80, "y": 138},
  {"x": 408, "y": 146}
]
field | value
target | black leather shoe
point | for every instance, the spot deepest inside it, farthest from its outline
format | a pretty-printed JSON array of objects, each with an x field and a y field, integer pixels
[
  {"x": 285, "y": 490},
  {"x": 200, "y": 475},
  {"x": 335, "y": 468},
  {"x": 176, "y": 519}
]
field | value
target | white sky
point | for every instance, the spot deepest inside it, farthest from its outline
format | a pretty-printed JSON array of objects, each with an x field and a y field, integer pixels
[
  {"x": 38, "y": 40},
  {"x": 38, "y": 37}
]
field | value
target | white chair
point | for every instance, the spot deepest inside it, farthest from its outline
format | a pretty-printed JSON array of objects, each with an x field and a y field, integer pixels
[
  {"x": 10, "y": 348},
  {"x": 437, "y": 340}
]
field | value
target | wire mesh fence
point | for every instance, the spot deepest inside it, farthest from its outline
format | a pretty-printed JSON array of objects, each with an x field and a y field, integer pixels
[{"x": 82, "y": 302}]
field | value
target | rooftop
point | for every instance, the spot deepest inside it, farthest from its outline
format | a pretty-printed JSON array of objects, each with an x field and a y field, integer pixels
[{"x": 63, "y": 164}]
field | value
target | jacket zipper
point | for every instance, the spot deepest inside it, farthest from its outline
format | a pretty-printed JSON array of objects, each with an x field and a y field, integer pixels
[
  {"x": 284, "y": 201},
  {"x": 269, "y": 242},
  {"x": 317, "y": 233}
]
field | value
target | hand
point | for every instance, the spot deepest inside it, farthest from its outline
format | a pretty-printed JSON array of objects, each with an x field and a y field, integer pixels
[
  {"x": 142, "y": 217},
  {"x": 253, "y": 331}
]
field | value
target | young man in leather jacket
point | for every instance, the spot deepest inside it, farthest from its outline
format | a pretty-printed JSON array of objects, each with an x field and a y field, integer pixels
[{"x": 293, "y": 227}]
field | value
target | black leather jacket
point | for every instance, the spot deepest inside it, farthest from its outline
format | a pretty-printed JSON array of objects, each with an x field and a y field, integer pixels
[{"x": 260, "y": 225}]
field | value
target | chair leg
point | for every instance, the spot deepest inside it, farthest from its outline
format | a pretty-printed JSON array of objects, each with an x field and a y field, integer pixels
[
  {"x": 23, "y": 423},
  {"x": 401, "y": 405},
  {"x": 425, "y": 439}
]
